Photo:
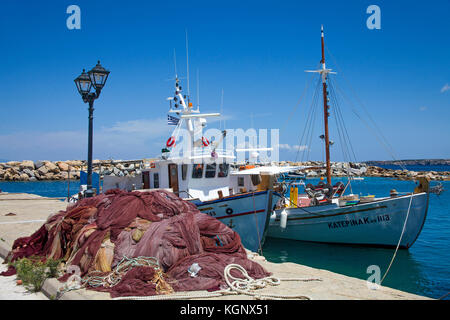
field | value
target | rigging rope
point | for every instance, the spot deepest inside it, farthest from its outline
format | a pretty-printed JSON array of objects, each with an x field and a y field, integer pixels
[
  {"x": 379, "y": 135},
  {"x": 305, "y": 89},
  {"x": 309, "y": 124}
]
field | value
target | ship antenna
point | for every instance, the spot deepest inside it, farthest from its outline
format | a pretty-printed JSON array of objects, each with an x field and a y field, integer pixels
[
  {"x": 187, "y": 66},
  {"x": 221, "y": 111},
  {"x": 175, "y": 62},
  {"x": 198, "y": 91}
]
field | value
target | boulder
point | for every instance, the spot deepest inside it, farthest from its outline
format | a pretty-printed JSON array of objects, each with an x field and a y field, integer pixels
[
  {"x": 13, "y": 170},
  {"x": 42, "y": 170},
  {"x": 48, "y": 176},
  {"x": 32, "y": 179},
  {"x": 13, "y": 163},
  {"x": 63, "y": 175},
  {"x": 39, "y": 164},
  {"x": 51, "y": 167},
  {"x": 28, "y": 172},
  {"x": 63, "y": 166},
  {"x": 26, "y": 164},
  {"x": 24, "y": 177}
]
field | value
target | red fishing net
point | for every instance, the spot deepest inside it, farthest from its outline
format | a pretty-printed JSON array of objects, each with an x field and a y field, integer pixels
[{"x": 97, "y": 233}]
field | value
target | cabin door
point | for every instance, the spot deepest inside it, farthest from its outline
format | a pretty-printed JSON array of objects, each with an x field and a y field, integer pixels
[
  {"x": 146, "y": 179},
  {"x": 173, "y": 177}
]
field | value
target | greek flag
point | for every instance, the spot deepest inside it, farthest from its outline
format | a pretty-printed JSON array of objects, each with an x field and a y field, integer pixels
[{"x": 172, "y": 120}]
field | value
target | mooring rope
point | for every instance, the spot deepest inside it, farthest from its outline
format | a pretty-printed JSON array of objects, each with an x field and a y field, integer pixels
[{"x": 399, "y": 240}]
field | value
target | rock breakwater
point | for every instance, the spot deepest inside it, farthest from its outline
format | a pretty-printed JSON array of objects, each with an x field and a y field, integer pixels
[{"x": 28, "y": 170}]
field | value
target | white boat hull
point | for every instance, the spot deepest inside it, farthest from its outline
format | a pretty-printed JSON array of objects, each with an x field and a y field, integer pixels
[
  {"x": 247, "y": 214},
  {"x": 377, "y": 223}
]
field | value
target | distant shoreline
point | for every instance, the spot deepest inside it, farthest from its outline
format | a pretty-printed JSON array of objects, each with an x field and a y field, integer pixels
[{"x": 410, "y": 162}]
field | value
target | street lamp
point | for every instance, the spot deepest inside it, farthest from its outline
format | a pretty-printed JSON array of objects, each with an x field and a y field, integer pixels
[{"x": 96, "y": 78}]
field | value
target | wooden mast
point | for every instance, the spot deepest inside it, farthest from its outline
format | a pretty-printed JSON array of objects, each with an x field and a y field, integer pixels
[{"x": 325, "y": 110}]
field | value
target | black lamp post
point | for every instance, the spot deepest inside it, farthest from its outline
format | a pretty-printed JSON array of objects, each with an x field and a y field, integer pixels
[{"x": 95, "y": 78}]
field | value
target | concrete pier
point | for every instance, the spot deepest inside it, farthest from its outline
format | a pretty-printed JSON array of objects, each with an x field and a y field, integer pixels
[{"x": 22, "y": 214}]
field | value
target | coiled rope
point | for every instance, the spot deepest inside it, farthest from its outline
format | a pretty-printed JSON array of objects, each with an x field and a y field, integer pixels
[
  {"x": 121, "y": 269},
  {"x": 93, "y": 279}
]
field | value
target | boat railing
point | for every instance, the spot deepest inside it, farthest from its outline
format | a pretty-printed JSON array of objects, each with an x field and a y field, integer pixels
[{"x": 210, "y": 153}]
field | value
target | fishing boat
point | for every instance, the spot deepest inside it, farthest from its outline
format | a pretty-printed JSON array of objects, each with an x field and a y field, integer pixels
[
  {"x": 324, "y": 213},
  {"x": 242, "y": 197}
]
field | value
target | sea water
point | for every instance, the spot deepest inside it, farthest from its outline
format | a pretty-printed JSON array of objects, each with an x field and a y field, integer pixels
[{"x": 423, "y": 269}]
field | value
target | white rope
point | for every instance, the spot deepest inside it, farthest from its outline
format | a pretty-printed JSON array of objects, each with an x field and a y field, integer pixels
[
  {"x": 399, "y": 240},
  {"x": 248, "y": 284}
]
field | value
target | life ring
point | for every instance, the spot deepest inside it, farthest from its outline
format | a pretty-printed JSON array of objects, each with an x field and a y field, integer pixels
[
  {"x": 205, "y": 142},
  {"x": 170, "y": 142}
]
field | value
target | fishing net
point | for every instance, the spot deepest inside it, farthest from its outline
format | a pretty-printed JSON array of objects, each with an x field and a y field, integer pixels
[{"x": 112, "y": 236}]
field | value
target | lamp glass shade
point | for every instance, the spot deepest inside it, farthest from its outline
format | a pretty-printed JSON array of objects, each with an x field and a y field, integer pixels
[
  {"x": 83, "y": 83},
  {"x": 98, "y": 76}
]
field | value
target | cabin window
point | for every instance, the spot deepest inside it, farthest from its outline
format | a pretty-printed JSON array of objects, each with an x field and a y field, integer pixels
[
  {"x": 223, "y": 170},
  {"x": 184, "y": 168},
  {"x": 155, "y": 180},
  {"x": 240, "y": 181},
  {"x": 197, "y": 171},
  {"x": 210, "y": 170}
]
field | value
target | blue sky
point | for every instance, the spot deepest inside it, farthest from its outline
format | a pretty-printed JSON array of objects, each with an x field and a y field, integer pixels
[{"x": 256, "y": 51}]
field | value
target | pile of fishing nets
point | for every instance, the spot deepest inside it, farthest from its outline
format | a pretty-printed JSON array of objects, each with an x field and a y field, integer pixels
[{"x": 139, "y": 244}]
